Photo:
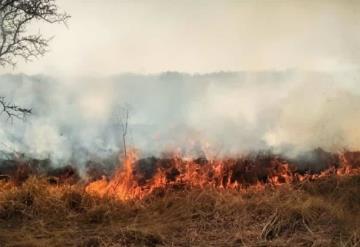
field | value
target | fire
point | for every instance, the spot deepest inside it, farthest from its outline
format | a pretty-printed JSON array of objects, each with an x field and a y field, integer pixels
[
  {"x": 138, "y": 178},
  {"x": 123, "y": 185}
]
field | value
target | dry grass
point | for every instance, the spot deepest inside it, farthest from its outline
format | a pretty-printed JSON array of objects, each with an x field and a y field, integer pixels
[{"x": 318, "y": 213}]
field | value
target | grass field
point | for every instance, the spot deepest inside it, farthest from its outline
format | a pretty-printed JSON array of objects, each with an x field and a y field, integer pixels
[{"x": 324, "y": 212}]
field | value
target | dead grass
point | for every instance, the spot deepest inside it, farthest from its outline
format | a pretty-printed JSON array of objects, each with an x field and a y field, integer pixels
[{"x": 325, "y": 212}]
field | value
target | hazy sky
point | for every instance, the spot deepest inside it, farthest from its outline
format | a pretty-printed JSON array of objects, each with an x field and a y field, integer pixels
[
  {"x": 114, "y": 36},
  {"x": 253, "y": 109}
]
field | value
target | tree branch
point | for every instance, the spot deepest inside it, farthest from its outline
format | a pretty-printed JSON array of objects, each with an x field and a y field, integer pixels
[
  {"x": 15, "y": 16},
  {"x": 13, "y": 111},
  {"x": 15, "y": 42}
]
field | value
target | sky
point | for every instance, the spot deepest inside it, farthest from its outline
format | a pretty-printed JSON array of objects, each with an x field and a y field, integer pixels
[
  {"x": 107, "y": 37},
  {"x": 245, "y": 75}
]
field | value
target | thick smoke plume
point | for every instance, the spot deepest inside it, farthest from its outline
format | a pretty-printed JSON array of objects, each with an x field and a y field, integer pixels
[{"x": 75, "y": 119}]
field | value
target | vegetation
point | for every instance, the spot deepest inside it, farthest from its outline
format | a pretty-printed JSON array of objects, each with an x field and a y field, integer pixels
[{"x": 324, "y": 212}]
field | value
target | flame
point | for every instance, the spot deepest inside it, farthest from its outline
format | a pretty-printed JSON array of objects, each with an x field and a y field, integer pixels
[
  {"x": 132, "y": 181},
  {"x": 123, "y": 185}
]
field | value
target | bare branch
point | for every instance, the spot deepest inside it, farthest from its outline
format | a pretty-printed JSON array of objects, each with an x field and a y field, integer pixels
[
  {"x": 15, "y": 16},
  {"x": 13, "y": 111},
  {"x": 124, "y": 118},
  {"x": 15, "y": 42}
]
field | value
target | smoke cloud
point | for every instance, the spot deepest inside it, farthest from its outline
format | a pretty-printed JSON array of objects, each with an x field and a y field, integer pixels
[{"x": 221, "y": 113}]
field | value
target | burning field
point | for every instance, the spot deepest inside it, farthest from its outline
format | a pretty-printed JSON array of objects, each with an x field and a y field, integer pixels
[
  {"x": 179, "y": 123},
  {"x": 258, "y": 199}
]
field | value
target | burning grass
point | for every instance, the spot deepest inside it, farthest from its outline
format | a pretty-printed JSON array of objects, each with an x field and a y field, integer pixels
[
  {"x": 138, "y": 178},
  {"x": 256, "y": 208}
]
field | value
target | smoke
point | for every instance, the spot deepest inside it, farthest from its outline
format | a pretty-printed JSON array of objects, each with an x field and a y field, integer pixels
[{"x": 222, "y": 113}]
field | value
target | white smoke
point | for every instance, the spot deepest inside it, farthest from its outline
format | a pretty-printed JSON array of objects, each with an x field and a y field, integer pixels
[{"x": 222, "y": 113}]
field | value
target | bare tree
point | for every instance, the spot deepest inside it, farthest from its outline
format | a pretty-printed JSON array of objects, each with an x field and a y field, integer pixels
[
  {"x": 16, "y": 42},
  {"x": 15, "y": 16},
  {"x": 124, "y": 118}
]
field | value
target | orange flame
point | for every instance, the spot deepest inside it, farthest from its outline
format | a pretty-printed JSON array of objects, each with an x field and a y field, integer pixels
[{"x": 129, "y": 181}]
